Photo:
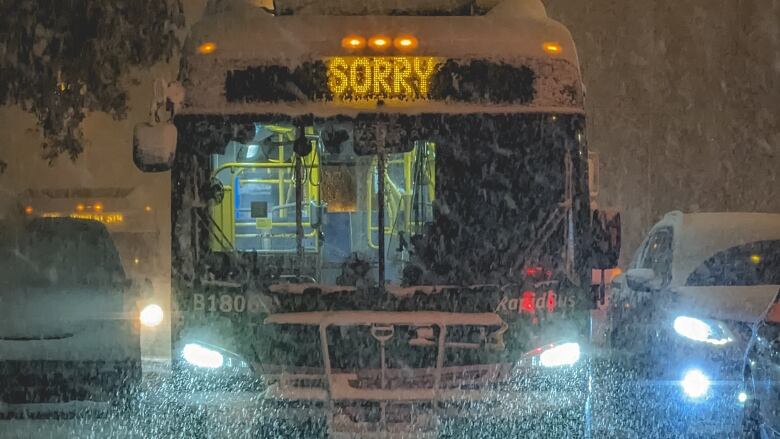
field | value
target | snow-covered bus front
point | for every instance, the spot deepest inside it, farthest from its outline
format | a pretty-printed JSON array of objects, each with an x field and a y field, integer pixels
[{"x": 381, "y": 223}]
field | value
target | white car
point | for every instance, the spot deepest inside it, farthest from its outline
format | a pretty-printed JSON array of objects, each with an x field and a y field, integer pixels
[
  {"x": 711, "y": 262},
  {"x": 69, "y": 329},
  {"x": 682, "y": 311}
]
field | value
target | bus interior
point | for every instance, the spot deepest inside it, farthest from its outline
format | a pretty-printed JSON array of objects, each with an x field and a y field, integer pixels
[
  {"x": 466, "y": 199},
  {"x": 338, "y": 205}
]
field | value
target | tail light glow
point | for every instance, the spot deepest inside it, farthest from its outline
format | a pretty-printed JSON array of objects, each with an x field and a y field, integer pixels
[{"x": 528, "y": 302}]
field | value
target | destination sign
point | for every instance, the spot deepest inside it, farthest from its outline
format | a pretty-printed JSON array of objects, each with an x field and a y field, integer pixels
[
  {"x": 381, "y": 77},
  {"x": 374, "y": 78}
]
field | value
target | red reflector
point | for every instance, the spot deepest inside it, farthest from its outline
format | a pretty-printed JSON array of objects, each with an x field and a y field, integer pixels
[
  {"x": 532, "y": 271},
  {"x": 551, "y": 301},
  {"x": 528, "y": 303}
]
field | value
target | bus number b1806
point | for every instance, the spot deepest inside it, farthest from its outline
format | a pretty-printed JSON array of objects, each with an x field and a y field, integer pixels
[{"x": 226, "y": 303}]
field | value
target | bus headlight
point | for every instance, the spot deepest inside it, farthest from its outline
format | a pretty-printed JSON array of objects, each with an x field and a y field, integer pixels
[
  {"x": 200, "y": 356},
  {"x": 562, "y": 355},
  {"x": 554, "y": 355},
  {"x": 206, "y": 356},
  {"x": 151, "y": 315},
  {"x": 704, "y": 331}
]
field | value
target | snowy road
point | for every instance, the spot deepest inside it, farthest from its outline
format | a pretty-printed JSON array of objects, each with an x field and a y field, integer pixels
[{"x": 618, "y": 413}]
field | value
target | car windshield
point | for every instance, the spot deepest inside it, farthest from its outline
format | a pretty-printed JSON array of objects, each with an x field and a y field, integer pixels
[
  {"x": 58, "y": 253},
  {"x": 756, "y": 263}
]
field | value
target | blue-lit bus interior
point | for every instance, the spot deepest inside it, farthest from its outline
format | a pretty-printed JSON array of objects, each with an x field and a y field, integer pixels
[{"x": 338, "y": 201}]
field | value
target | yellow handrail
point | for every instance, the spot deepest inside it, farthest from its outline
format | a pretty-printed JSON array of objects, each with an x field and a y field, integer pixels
[{"x": 311, "y": 191}]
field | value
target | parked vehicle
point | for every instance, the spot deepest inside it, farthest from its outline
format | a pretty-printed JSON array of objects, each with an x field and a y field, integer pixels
[
  {"x": 133, "y": 224},
  {"x": 761, "y": 417},
  {"x": 82, "y": 354},
  {"x": 683, "y": 310}
]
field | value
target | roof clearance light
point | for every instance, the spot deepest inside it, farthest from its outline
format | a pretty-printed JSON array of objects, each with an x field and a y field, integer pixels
[
  {"x": 98, "y": 207},
  {"x": 207, "y": 48},
  {"x": 28, "y": 210},
  {"x": 405, "y": 42},
  {"x": 379, "y": 42},
  {"x": 80, "y": 207},
  {"x": 353, "y": 42},
  {"x": 552, "y": 48}
]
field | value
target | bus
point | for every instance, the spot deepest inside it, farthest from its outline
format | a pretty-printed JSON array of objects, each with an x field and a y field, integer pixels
[{"x": 381, "y": 220}]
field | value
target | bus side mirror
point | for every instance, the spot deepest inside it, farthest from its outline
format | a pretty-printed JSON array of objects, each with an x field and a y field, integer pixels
[
  {"x": 606, "y": 229},
  {"x": 154, "y": 146}
]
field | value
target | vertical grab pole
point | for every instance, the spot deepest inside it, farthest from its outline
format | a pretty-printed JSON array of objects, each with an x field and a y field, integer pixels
[
  {"x": 299, "y": 212},
  {"x": 380, "y": 151}
]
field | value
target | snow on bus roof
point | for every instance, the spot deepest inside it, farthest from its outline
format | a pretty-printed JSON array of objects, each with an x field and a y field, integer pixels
[
  {"x": 514, "y": 28},
  {"x": 352, "y": 318},
  {"x": 515, "y": 32},
  {"x": 380, "y": 7}
]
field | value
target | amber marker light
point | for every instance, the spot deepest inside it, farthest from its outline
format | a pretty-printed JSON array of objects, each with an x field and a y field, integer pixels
[
  {"x": 379, "y": 42},
  {"x": 207, "y": 48},
  {"x": 552, "y": 48},
  {"x": 405, "y": 42},
  {"x": 353, "y": 42},
  {"x": 28, "y": 210}
]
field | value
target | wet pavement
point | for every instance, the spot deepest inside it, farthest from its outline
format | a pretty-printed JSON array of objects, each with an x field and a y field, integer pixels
[{"x": 621, "y": 409}]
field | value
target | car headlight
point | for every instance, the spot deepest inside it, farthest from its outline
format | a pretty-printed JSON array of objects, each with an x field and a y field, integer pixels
[
  {"x": 555, "y": 355},
  {"x": 206, "y": 356},
  {"x": 204, "y": 367},
  {"x": 695, "y": 383},
  {"x": 705, "y": 331},
  {"x": 151, "y": 315}
]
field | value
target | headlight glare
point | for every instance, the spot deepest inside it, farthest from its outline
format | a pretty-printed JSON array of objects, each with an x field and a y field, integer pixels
[
  {"x": 200, "y": 356},
  {"x": 564, "y": 354},
  {"x": 695, "y": 383},
  {"x": 704, "y": 331},
  {"x": 151, "y": 315}
]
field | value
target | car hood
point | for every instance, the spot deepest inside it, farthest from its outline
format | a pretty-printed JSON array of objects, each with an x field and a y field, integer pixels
[
  {"x": 62, "y": 324},
  {"x": 737, "y": 303}
]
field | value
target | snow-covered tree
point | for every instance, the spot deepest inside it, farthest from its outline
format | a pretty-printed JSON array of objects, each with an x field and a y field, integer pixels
[{"x": 60, "y": 59}]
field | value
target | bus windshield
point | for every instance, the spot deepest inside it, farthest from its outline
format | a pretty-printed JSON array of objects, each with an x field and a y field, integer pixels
[{"x": 467, "y": 199}]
